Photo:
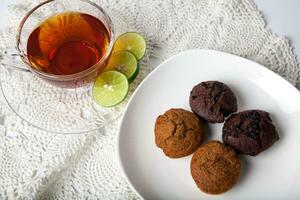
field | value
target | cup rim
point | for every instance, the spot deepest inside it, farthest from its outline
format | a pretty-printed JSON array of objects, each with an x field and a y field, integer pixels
[{"x": 58, "y": 77}]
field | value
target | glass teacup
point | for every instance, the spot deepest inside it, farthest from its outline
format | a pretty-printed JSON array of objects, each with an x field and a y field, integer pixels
[{"x": 66, "y": 43}]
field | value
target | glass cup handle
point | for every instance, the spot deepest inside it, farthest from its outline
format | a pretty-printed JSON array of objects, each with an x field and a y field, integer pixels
[{"x": 11, "y": 59}]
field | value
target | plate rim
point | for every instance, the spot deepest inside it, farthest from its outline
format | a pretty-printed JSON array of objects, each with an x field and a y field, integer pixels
[{"x": 119, "y": 159}]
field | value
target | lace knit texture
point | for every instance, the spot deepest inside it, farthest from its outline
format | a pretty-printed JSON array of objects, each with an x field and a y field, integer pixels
[{"x": 35, "y": 164}]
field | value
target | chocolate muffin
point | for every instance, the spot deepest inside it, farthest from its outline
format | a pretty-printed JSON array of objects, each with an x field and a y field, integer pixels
[
  {"x": 250, "y": 132},
  {"x": 215, "y": 167},
  {"x": 178, "y": 133},
  {"x": 212, "y": 101}
]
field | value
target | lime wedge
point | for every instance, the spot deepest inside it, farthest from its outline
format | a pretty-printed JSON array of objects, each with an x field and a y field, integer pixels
[
  {"x": 110, "y": 88},
  {"x": 124, "y": 62},
  {"x": 133, "y": 42}
]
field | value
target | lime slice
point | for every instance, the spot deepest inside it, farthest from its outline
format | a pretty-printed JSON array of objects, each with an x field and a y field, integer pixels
[
  {"x": 110, "y": 88},
  {"x": 133, "y": 42},
  {"x": 124, "y": 62}
]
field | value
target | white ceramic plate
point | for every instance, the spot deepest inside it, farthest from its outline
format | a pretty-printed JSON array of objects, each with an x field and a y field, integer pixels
[{"x": 274, "y": 174}]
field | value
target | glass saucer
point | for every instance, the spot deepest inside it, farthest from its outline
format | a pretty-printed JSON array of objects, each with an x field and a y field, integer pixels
[{"x": 57, "y": 110}]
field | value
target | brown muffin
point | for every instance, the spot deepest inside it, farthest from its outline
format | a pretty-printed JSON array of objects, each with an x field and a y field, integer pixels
[
  {"x": 250, "y": 132},
  {"x": 178, "y": 133},
  {"x": 212, "y": 101},
  {"x": 215, "y": 167}
]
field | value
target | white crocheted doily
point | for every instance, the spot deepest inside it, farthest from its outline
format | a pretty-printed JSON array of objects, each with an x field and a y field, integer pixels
[{"x": 38, "y": 165}]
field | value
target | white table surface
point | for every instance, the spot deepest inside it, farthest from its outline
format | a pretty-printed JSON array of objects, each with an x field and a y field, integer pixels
[{"x": 281, "y": 16}]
